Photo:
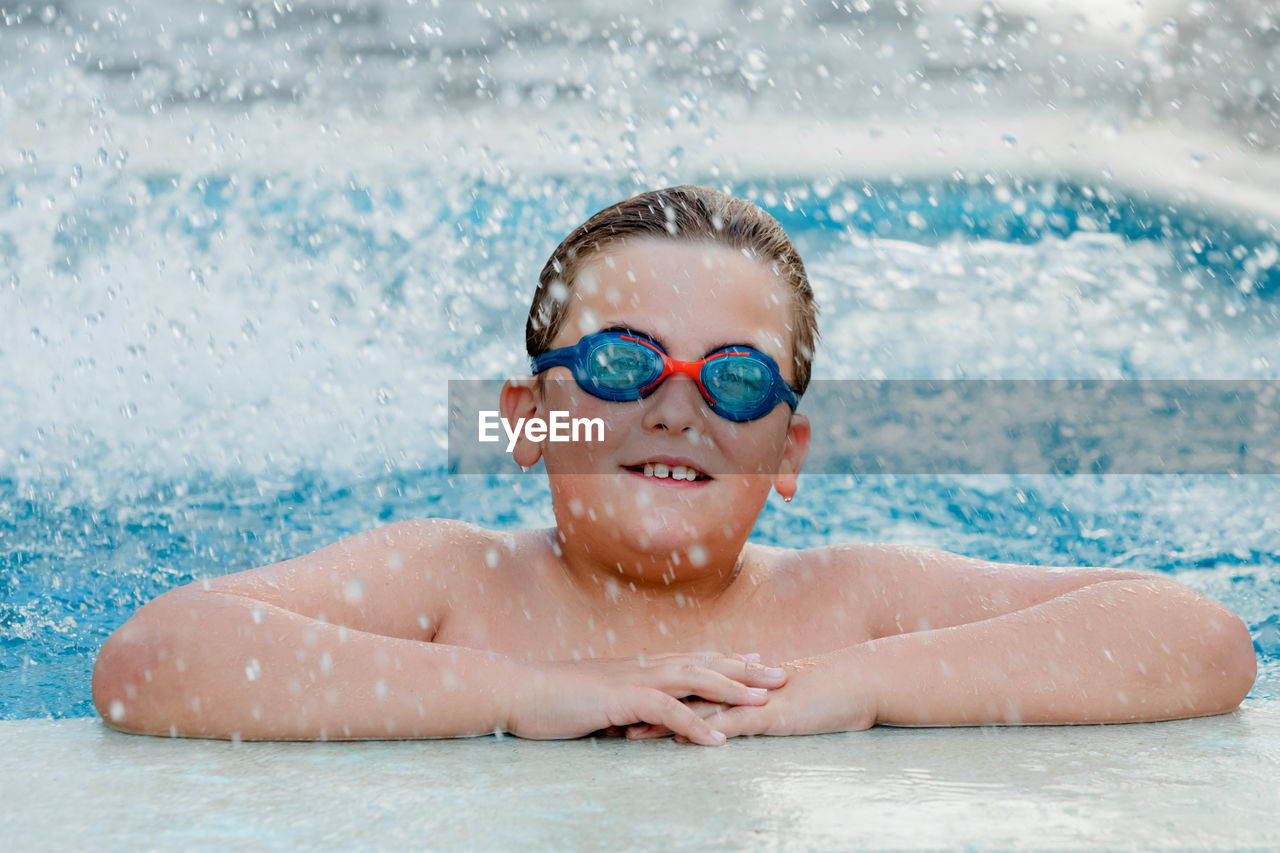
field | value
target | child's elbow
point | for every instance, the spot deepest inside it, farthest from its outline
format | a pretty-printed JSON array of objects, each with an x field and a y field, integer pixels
[
  {"x": 1234, "y": 663},
  {"x": 112, "y": 681},
  {"x": 123, "y": 674}
]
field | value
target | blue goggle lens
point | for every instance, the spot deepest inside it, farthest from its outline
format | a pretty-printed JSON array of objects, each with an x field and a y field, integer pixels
[
  {"x": 738, "y": 383},
  {"x": 623, "y": 367}
]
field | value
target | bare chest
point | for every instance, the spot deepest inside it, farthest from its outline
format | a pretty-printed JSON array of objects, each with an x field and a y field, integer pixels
[{"x": 546, "y": 621}]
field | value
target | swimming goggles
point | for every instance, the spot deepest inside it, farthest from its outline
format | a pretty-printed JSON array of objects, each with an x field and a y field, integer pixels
[{"x": 739, "y": 383}]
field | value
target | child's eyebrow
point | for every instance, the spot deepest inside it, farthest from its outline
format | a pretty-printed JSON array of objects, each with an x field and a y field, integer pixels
[{"x": 628, "y": 330}]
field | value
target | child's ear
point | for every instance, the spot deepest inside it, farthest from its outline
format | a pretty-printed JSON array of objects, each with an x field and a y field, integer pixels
[
  {"x": 520, "y": 399},
  {"x": 793, "y": 456}
]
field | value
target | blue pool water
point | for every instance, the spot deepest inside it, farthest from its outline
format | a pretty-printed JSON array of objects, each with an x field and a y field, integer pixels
[{"x": 242, "y": 251}]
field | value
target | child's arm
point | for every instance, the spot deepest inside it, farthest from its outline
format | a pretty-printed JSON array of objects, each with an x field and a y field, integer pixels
[
  {"x": 972, "y": 641},
  {"x": 1012, "y": 644},
  {"x": 258, "y": 656},
  {"x": 212, "y": 664},
  {"x": 1116, "y": 651}
]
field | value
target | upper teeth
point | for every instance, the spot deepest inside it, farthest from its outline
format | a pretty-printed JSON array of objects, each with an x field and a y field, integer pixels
[{"x": 679, "y": 472}]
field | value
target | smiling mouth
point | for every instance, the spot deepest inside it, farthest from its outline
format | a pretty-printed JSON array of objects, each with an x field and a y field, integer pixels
[{"x": 660, "y": 471}]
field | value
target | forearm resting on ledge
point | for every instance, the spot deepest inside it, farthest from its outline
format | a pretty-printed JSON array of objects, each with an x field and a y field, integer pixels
[
  {"x": 1119, "y": 651},
  {"x": 218, "y": 665}
]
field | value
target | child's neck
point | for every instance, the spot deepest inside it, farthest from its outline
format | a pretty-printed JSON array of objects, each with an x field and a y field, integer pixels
[{"x": 653, "y": 583}]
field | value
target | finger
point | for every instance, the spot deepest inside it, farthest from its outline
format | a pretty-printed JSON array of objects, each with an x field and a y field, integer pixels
[
  {"x": 703, "y": 709},
  {"x": 708, "y": 685},
  {"x": 743, "y": 720},
  {"x": 749, "y": 672},
  {"x": 723, "y": 721},
  {"x": 677, "y": 717},
  {"x": 744, "y": 668},
  {"x": 644, "y": 731},
  {"x": 759, "y": 675}
]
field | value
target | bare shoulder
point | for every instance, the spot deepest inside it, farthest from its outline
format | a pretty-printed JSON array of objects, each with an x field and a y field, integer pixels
[
  {"x": 392, "y": 580},
  {"x": 905, "y": 588}
]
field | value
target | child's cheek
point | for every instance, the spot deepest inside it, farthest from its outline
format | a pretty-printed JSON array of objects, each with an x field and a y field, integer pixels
[
  {"x": 759, "y": 452},
  {"x": 571, "y": 457}
]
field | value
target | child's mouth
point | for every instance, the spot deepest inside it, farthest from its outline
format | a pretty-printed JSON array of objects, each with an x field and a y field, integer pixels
[{"x": 668, "y": 472}]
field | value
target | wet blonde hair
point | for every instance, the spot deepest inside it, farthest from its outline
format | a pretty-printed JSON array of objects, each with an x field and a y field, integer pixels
[{"x": 685, "y": 214}]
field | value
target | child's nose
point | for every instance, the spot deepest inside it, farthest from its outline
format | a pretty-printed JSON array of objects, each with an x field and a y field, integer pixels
[{"x": 676, "y": 405}]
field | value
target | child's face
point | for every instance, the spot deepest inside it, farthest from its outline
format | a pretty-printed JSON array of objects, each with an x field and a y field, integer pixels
[{"x": 691, "y": 299}]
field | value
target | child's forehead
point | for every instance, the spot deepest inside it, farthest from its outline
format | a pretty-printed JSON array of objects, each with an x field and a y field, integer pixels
[
  {"x": 679, "y": 293},
  {"x": 642, "y": 272}
]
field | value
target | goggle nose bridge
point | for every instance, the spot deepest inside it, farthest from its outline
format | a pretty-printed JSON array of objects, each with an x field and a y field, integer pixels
[
  {"x": 671, "y": 366},
  {"x": 692, "y": 369}
]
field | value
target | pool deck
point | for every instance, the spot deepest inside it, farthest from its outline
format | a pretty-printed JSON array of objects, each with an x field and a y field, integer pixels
[{"x": 1204, "y": 783}]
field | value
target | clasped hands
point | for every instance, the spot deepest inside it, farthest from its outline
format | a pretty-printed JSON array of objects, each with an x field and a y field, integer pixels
[{"x": 701, "y": 698}]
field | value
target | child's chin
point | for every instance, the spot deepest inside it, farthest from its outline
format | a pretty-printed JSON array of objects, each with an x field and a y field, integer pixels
[{"x": 665, "y": 529}]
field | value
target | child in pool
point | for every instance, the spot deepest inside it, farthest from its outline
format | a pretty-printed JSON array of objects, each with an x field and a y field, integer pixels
[{"x": 637, "y": 611}]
